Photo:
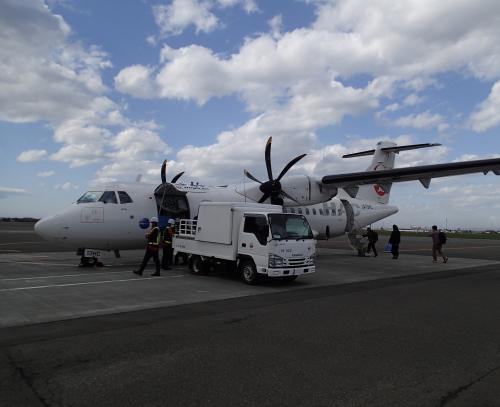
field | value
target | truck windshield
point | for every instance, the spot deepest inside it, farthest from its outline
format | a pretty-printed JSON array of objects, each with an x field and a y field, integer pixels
[{"x": 289, "y": 226}]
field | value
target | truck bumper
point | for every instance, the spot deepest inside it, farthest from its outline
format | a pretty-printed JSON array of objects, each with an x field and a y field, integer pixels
[{"x": 284, "y": 272}]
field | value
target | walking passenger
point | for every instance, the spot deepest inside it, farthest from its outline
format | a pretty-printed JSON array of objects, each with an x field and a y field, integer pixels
[
  {"x": 438, "y": 240},
  {"x": 152, "y": 248},
  {"x": 372, "y": 239},
  {"x": 394, "y": 240}
]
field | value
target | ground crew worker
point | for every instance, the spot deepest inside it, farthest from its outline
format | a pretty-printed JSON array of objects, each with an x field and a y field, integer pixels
[
  {"x": 168, "y": 251},
  {"x": 372, "y": 239},
  {"x": 152, "y": 248}
]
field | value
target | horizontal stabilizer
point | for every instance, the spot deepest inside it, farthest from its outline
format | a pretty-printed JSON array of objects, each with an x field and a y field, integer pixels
[{"x": 395, "y": 149}]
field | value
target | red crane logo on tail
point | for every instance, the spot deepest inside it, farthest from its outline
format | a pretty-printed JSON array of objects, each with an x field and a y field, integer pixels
[{"x": 379, "y": 190}]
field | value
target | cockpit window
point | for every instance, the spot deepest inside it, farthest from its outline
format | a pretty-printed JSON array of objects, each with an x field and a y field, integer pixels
[
  {"x": 124, "y": 197},
  {"x": 108, "y": 197},
  {"x": 90, "y": 196}
]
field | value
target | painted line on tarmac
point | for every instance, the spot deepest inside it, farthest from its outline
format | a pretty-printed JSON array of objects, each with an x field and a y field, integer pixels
[
  {"x": 11, "y": 251},
  {"x": 38, "y": 263},
  {"x": 6, "y": 244},
  {"x": 75, "y": 284},
  {"x": 449, "y": 248},
  {"x": 63, "y": 275}
]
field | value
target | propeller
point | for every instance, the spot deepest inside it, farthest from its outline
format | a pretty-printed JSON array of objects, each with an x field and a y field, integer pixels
[
  {"x": 272, "y": 188},
  {"x": 164, "y": 177}
]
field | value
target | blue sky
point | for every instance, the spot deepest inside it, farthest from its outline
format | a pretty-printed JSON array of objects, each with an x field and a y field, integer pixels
[{"x": 95, "y": 91}]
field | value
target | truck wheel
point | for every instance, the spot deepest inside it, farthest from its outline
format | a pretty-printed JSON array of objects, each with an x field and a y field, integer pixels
[
  {"x": 197, "y": 265},
  {"x": 249, "y": 272},
  {"x": 289, "y": 279}
]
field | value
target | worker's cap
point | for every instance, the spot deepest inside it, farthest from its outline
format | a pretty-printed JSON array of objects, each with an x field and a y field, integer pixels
[
  {"x": 171, "y": 222},
  {"x": 154, "y": 219}
]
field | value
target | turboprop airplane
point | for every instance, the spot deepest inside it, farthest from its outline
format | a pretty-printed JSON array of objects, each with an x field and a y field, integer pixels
[{"x": 114, "y": 216}]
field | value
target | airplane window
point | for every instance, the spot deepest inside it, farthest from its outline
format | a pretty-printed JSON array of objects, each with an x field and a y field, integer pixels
[
  {"x": 299, "y": 211},
  {"x": 292, "y": 210},
  {"x": 327, "y": 211},
  {"x": 90, "y": 196},
  {"x": 320, "y": 211},
  {"x": 108, "y": 197},
  {"x": 124, "y": 197},
  {"x": 314, "y": 211},
  {"x": 307, "y": 211}
]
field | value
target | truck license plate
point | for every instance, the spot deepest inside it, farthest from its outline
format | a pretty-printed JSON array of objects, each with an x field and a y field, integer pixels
[{"x": 91, "y": 253}]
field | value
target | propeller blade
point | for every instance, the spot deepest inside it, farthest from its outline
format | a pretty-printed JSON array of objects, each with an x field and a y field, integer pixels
[
  {"x": 290, "y": 165},
  {"x": 268, "y": 158},
  {"x": 264, "y": 197},
  {"x": 176, "y": 178},
  {"x": 163, "y": 170},
  {"x": 289, "y": 197},
  {"x": 251, "y": 176}
]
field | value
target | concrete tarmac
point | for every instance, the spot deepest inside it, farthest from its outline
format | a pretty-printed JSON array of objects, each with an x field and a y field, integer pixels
[{"x": 360, "y": 331}]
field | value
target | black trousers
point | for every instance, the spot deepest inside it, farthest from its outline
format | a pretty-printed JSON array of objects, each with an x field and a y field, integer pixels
[
  {"x": 167, "y": 258},
  {"x": 371, "y": 246},
  {"x": 395, "y": 251},
  {"x": 150, "y": 253}
]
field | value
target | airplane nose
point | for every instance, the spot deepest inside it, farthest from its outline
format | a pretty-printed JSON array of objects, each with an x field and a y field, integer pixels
[{"x": 45, "y": 229}]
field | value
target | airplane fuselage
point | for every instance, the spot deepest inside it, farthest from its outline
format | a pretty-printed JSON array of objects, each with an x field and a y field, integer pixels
[{"x": 121, "y": 223}]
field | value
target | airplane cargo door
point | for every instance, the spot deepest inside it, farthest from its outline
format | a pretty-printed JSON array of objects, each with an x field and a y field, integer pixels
[
  {"x": 171, "y": 203},
  {"x": 349, "y": 225}
]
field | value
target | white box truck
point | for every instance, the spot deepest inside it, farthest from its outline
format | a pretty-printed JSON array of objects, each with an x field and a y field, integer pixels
[{"x": 255, "y": 239}]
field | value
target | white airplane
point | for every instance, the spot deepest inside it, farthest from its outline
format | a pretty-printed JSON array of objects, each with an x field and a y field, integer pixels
[{"x": 114, "y": 216}]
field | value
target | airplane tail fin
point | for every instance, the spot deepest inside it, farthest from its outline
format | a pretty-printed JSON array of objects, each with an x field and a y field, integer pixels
[{"x": 384, "y": 156}]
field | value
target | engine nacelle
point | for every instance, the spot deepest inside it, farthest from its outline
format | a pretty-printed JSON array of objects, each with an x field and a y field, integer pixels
[{"x": 306, "y": 190}]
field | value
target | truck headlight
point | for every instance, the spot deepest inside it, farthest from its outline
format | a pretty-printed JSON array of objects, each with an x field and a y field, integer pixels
[{"x": 275, "y": 261}]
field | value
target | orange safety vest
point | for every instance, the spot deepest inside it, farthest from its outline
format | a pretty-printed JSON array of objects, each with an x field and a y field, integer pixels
[{"x": 167, "y": 234}]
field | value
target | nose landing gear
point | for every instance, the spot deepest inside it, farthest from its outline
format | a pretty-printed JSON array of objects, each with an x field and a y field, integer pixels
[{"x": 88, "y": 261}]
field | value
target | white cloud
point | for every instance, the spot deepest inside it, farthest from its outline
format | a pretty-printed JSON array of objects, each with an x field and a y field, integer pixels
[
  {"x": 45, "y": 174},
  {"x": 135, "y": 80},
  {"x": 180, "y": 14},
  {"x": 425, "y": 120},
  {"x": 31, "y": 155},
  {"x": 250, "y": 6},
  {"x": 135, "y": 151},
  {"x": 174, "y": 18},
  {"x": 487, "y": 114},
  {"x": 276, "y": 25},
  {"x": 6, "y": 191},
  {"x": 412, "y": 100},
  {"x": 403, "y": 45},
  {"x": 40, "y": 63},
  {"x": 66, "y": 186}
]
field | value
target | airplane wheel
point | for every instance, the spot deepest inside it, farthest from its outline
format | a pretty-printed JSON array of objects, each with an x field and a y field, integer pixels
[
  {"x": 249, "y": 272},
  {"x": 197, "y": 265}
]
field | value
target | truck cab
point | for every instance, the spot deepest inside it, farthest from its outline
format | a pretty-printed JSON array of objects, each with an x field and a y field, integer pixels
[{"x": 256, "y": 239}]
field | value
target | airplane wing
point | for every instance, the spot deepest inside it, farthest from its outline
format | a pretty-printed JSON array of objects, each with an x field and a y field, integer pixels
[{"x": 423, "y": 173}]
